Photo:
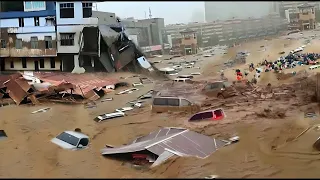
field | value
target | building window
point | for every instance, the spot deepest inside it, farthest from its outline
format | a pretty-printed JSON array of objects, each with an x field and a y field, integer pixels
[
  {"x": 18, "y": 43},
  {"x": 24, "y": 62},
  {"x": 87, "y": 10},
  {"x": 66, "y": 10},
  {"x": 34, "y": 42},
  {"x": 36, "y": 21},
  {"x": 3, "y": 43},
  {"x": 34, "y": 5},
  {"x": 41, "y": 63},
  {"x": 21, "y": 22},
  {"x": 52, "y": 62},
  {"x": 66, "y": 39},
  {"x": 48, "y": 42},
  {"x": 11, "y": 64}
]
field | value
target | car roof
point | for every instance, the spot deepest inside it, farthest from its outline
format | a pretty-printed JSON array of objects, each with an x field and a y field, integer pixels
[{"x": 77, "y": 134}]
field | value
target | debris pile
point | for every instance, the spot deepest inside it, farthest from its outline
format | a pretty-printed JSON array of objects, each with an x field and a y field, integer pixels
[
  {"x": 56, "y": 87},
  {"x": 158, "y": 146}
]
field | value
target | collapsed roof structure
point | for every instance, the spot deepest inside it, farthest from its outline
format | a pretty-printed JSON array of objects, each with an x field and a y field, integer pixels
[
  {"x": 168, "y": 142},
  {"x": 111, "y": 50}
]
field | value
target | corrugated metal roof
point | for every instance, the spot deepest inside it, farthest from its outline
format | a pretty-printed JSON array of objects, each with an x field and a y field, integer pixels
[
  {"x": 181, "y": 142},
  {"x": 84, "y": 83}
]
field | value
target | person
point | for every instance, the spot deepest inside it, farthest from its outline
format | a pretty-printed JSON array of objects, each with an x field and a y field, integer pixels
[{"x": 221, "y": 74}]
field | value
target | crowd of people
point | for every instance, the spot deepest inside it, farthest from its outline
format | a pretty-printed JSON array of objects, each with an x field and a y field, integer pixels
[{"x": 290, "y": 61}]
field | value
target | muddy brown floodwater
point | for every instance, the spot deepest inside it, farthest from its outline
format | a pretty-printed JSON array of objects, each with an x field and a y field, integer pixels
[{"x": 266, "y": 147}]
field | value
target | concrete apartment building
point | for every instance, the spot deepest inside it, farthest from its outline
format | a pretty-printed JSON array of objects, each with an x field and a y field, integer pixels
[
  {"x": 304, "y": 19},
  {"x": 224, "y": 10},
  {"x": 231, "y": 31},
  {"x": 71, "y": 18},
  {"x": 28, "y": 37},
  {"x": 292, "y": 6}
]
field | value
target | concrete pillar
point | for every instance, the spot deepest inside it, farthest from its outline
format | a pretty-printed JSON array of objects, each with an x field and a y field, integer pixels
[{"x": 77, "y": 69}]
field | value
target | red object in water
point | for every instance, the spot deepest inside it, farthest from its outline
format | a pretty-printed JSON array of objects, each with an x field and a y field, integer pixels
[
  {"x": 139, "y": 156},
  {"x": 218, "y": 115}
]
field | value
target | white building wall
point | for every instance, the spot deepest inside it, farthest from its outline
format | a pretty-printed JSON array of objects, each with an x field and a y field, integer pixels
[
  {"x": 17, "y": 62},
  {"x": 78, "y": 16},
  {"x": 69, "y": 29},
  {"x": 4, "y": 23}
]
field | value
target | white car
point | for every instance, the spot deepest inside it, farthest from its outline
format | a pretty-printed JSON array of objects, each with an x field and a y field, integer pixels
[
  {"x": 71, "y": 140},
  {"x": 109, "y": 116},
  {"x": 196, "y": 73},
  {"x": 137, "y": 84},
  {"x": 124, "y": 109},
  {"x": 127, "y": 91}
]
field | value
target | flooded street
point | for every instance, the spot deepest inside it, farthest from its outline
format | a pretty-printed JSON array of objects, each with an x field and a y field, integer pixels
[{"x": 268, "y": 147}]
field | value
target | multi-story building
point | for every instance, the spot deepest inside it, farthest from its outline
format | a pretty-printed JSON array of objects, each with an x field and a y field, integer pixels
[
  {"x": 292, "y": 6},
  {"x": 224, "y": 10},
  {"x": 231, "y": 31},
  {"x": 73, "y": 19},
  {"x": 188, "y": 42},
  {"x": 28, "y": 37}
]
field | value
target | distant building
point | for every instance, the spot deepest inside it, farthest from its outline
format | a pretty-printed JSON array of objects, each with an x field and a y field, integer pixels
[
  {"x": 28, "y": 37},
  {"x": 231, "y": 31},
  {"x": 188, "y": 42},
  {"x": 224, "y": 10}
]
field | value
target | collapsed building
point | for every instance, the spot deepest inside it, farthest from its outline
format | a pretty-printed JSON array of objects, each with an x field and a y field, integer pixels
[{"x": 63, "y": 36}]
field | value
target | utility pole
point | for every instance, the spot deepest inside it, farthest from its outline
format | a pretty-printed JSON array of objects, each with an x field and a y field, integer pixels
[{"x": 150, "y": 15}]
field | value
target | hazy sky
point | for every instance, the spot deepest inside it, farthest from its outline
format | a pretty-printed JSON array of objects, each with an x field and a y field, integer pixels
[{"x": 171, "y": 11}]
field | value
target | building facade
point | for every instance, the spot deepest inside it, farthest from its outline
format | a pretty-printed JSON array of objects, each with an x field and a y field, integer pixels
[
  {"x": 224, "y": 10},
  {"x": 188, "y": 42},
  {"x": 28, "y": 36},
  {"x": 231, "y": 31},
  {"x": 71, "y": 18}
]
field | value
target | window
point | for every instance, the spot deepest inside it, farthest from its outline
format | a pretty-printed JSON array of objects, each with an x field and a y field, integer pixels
[
  {"x": 3, "y": 43},
  {"x": 34, "y": 42},
  {"x": 21, "y": 22},
  {"x": 173, "y": 102},
  {"x": 41, "y": 63},
  {"x": 215, "y": 85},
  {"x": 18, "y": 43},
  {"x": 185, "y": 102},
  {"x": 34, "y": 5},
  {"x": 67, "y": 39},
  {"x": 48, "y": 42},
  {"x": 11, "y": 64},
  {"x": 24, "y": 62},
  {"x": 36, "y": 21},
  {"x": 68, "y": 138},
  {"x": 87, "y": 10},
  {"x": 160, "y": 101},
  {"x": 66, "y": 10},
  {"x": 207, "y": 115},
  {"x": 52, "y": 62}
]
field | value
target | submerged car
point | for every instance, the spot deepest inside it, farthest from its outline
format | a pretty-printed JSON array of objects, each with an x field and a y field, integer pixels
[
  {"x": 171, "y": 103},
  {"x": 217, "y": 114},
  {"x": 71, "y": 140}
]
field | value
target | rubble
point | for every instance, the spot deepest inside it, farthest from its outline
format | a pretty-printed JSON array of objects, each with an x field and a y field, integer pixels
[
  {"x": 41, "y": 110},
  {"x": 158, "y": 146},
  {"x": 56, "y": 87}
]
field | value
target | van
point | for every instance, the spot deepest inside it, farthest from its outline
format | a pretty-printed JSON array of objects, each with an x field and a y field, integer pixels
[
  {"x": 184, "y": 80},
  {"x": 165, "y": 104}
]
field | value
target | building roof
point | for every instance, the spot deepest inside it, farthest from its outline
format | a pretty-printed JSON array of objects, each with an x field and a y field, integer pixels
[
  {"x": 178, "y": 141},
  {"x": 188, "y": 30},
  {"x": 306, "y": 5}
]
